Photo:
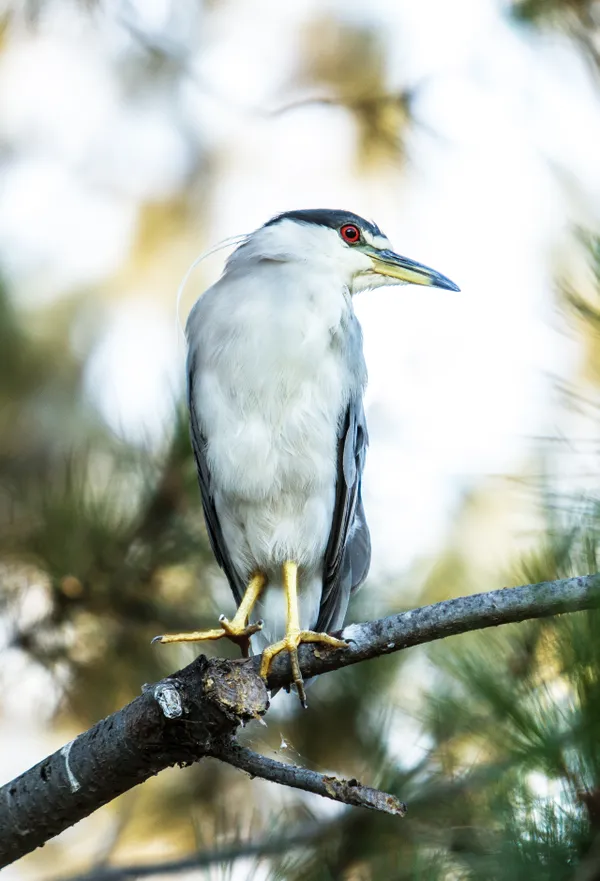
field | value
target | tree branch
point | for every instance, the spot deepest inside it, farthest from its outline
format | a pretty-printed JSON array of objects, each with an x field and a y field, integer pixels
[
  {"x": 349, "y": 792},
  {"x": 448, "y": 618},
  {"x": 171, "y": 723},
  {"x": 195, "y": 713}
]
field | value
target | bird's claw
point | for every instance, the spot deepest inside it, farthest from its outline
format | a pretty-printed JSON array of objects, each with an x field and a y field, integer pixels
[
  {"x": 234, "y": 632},
  {"x": 290, "y": 643},
  {"x": 192, "y": 636}
]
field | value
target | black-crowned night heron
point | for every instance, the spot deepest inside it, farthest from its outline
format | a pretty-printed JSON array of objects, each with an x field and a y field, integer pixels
[{"x": 276, "y": 377}]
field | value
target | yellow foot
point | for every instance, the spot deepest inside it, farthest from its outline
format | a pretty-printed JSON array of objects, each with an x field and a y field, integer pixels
[
  {"x": 290, "y": 643},
  {"x": 229, "y": 629},
  {"x": 239, "y": 635},
  {"x": 238, "y": 630}
]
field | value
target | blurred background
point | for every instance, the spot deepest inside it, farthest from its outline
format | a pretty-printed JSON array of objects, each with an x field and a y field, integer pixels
[{"x": 135, "y": 134}]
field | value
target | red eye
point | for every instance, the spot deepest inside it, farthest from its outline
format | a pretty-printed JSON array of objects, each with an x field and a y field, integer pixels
[{"x": 350, "y": 233}]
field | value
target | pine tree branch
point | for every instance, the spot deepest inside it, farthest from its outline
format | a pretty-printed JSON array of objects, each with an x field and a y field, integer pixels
[
  {"x": 194, "y": 713},
  {"x": 271, "y": 845}
]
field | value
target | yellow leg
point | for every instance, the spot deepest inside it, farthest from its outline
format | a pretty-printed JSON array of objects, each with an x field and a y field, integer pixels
[
  {"x": 293, "y": 635},
  {"x": 237, "y": 630}
]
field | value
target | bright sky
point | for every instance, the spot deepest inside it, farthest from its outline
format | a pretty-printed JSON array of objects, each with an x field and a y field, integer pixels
[{"x": 505, "y": 161}]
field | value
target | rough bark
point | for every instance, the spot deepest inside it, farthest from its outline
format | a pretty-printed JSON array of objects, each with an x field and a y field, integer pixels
[{"x": 171, "y": 723}]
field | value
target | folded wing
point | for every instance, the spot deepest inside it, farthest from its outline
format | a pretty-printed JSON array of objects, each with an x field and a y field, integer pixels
[{"x": 348, "y": 553}]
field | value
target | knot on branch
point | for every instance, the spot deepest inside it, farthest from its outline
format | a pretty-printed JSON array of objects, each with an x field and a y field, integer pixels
[
  {"x": 209, "y": 700},
  {"x": 237, "y": 689}
]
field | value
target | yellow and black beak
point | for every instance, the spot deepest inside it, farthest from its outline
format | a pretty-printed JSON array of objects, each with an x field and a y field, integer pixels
[{"x": 407, "y": 271}]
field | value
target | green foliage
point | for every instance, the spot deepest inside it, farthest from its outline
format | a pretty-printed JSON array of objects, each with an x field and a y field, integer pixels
[
  {"x": 539, "y": 10},
  {"x": 576, "y": 18},
  {"x": 345, "y": 63},
  {"x": 95, "y": 535}
]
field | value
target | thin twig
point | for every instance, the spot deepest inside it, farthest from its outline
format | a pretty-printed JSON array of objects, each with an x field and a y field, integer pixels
[{"x": 349, "y": 792}]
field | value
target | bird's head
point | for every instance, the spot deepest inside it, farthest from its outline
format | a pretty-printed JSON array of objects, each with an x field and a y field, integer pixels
[{"x": 340, "y": 243}]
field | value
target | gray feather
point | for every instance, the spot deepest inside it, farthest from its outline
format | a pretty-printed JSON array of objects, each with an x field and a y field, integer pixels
[
  {"x": 213, "y": 527},
  {"x": 348, "y": 553}
]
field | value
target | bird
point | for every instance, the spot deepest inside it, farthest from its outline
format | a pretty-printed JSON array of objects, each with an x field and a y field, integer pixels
[{"x": 276, "y": 378}]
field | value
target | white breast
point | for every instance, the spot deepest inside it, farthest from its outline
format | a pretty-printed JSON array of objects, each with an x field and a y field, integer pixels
[{"x": 272, "y": 385}]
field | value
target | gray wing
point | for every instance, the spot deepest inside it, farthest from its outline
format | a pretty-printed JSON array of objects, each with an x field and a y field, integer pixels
[
  {"x": 213, "y": 527},
  {"x": 348, "y": 553}
]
